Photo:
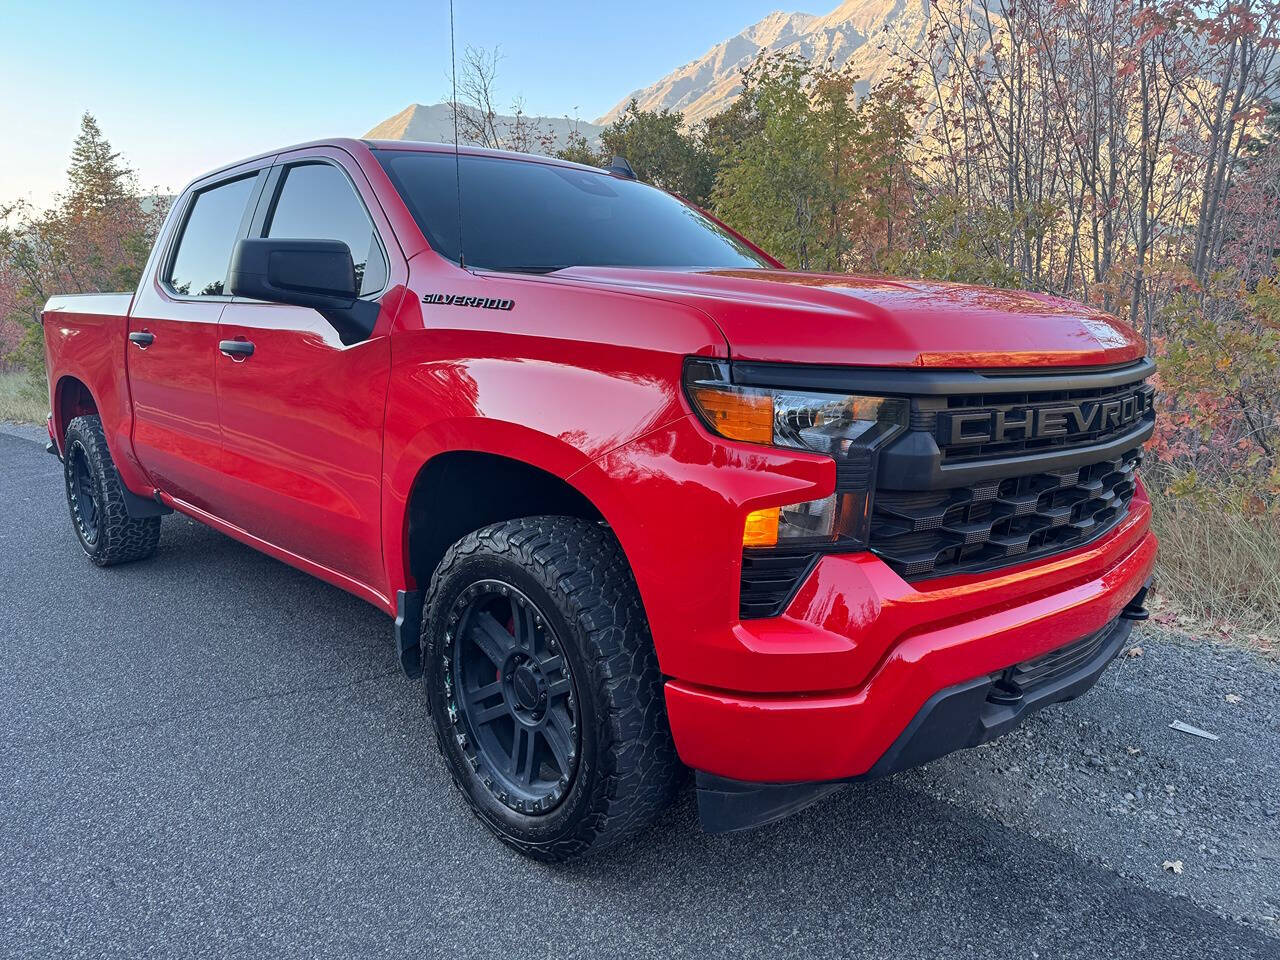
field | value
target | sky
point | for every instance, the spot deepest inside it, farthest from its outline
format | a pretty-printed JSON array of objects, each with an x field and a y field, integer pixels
[{"x": 182, "y": 87}]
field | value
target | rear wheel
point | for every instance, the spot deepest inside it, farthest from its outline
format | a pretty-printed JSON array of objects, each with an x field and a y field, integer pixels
[
  {"x": 544, "y": 686},
  {"x": 95, "y": 497}
]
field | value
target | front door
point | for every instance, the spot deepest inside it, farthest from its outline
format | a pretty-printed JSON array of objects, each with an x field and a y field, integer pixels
[
  {"x": 301, "y": 414},
  {"x": 173, "y": 344}
]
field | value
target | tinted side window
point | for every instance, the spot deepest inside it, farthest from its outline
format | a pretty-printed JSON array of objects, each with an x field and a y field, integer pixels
[
  {"x": 317, "y": 202},
  {"x": 212, "y": 229}
]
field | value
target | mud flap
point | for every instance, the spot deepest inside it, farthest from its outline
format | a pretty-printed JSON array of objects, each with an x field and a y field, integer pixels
[{"x": 409, "y": 631}]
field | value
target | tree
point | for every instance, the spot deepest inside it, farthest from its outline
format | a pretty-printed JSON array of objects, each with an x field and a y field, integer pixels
[
  {"x": 578, "y": 150},
  {"x": 821, "y": 178},
  {"x": 661, "y": 151},
  {"x": 96, "y": 179},
  {"x": 783, "y": 185},
  {"x": 96, "y": 236},
  {"x": 475, "y": 112}
]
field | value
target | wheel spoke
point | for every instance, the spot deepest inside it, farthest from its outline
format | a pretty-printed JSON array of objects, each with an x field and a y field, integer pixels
[
  {"x": 559, "y": 717},
  {"x": 482, "y": 715},
  {"x": 487, "y": 634},
  {"x": 526, "y": 626},
  {"x": 484, "y": 692},
  {"x": 558, "y": 688},
  {"x": 559, "y": 744},
  {"x": 523, "y": 746}
]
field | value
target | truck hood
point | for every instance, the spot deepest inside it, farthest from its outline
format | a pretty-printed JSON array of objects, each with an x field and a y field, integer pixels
[{"x": 780, "y": 315}]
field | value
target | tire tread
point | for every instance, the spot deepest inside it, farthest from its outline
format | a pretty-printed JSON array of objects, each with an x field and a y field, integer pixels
[
  {"x": 121, "y": 538},
  {"x": 583, "y": 567}
]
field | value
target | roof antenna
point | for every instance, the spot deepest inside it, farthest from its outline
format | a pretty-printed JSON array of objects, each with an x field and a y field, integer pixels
[
  {"x": 620, "y": 168},
  {"x": 457, "y": 162}
]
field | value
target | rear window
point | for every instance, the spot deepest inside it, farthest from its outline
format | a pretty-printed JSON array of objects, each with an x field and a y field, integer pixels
[
  {"x": 529, "y": 216},
  {"x": 211, "y": 231}
]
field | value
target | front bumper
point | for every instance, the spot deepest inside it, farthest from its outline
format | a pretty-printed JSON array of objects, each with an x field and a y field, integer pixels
[
  {"x": 964, "y": 715},
  {"x": 907, "y": 645}
]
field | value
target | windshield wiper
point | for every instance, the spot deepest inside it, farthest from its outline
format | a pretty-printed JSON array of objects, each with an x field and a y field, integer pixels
[{"x": 531, "y": 269}]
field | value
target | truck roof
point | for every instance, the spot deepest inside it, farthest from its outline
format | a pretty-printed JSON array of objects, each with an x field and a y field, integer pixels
[{"x": 352, "y": 145}]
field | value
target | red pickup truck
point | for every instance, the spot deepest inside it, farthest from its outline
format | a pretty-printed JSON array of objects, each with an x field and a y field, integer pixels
[{"x": 639, "y": 499}]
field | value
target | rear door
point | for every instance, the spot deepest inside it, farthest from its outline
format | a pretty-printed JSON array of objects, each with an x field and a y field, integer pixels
[
  {"x": 173, "y": 340},
  {"x": 302, "y": 415}
]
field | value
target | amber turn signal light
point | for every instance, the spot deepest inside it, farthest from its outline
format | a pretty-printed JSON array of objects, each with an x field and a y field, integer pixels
[
  {"x": 736, "y": 414},
  {"x": 761, "y": 529}
]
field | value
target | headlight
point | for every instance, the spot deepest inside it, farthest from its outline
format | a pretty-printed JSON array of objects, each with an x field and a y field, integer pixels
[
  {"x": 847, "y": 427},
  {"x": 830, "y": 423}
]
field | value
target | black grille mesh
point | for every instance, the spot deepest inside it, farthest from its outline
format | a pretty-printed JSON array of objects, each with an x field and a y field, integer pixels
[
  {"x": 995, "y": 522},
  {"x": 768, "y": 579},
  {"x": 933, "y": 531}
]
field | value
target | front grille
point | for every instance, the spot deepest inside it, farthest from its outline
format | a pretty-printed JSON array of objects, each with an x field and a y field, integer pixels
[
  {"x": 931, "y": 533},
  {"x": 1019, "y": 404},
  {"x": 990, "y": 469}
]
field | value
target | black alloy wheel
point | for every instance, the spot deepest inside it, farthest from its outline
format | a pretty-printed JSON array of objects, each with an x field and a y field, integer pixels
[
  {"x": 96, "y": 497},
  {"x": 82, "y": 492},
  {"x": 543, "y": 686},
  {"x": 510, "y": 695}
]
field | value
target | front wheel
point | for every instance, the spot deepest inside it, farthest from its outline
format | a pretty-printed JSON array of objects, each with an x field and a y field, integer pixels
[
  {"x": 544, "y": 687},
  {"x": 95, "y": 497}
]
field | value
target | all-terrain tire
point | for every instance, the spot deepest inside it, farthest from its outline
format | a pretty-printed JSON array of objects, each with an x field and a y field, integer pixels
[
  {"x": 94, "y": 487},
  {"x": 576, "y": 575}
]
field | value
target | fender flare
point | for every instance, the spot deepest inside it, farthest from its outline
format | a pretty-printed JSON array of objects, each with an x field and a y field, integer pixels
[{"x": 542, "y": 451}]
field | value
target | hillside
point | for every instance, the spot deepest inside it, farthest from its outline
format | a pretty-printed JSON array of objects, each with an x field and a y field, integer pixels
[
  {"x": 434, "y": 124},
  {"x": 853, "y": 33}
]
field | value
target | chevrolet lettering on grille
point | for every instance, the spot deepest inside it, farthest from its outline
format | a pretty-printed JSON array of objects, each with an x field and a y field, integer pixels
[{"x": 1043, "y": 421}]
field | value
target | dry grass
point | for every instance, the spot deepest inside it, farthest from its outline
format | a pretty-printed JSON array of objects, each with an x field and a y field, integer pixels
[
  {"x": 1219, "y": 563},
  {"x": 18, "y": 402}
]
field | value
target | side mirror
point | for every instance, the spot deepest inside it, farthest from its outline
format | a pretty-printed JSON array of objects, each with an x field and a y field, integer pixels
[{"x": 305, "y": 273}]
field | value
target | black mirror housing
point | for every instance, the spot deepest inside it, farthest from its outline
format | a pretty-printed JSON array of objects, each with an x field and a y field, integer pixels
[{"x": 305, "y": 273}]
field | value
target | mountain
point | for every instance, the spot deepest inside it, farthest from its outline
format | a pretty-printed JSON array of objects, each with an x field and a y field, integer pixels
[
  {"x": 434, "y": 124},
  {"x": 856, "y": 32}
]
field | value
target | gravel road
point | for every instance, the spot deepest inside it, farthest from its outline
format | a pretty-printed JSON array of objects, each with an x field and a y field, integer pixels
[{"x": 211, "y": 754}]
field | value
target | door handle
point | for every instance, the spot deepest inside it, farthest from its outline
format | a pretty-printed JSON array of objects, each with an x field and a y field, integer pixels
[
  {"x": 236, "y": 349},
  {"x": 142, "y": 339}
]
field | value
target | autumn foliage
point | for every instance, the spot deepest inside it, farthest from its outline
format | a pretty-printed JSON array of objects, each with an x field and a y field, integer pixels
[
  {"x": 1120, "y": 152},
  {"x": 95, "y": 237}
]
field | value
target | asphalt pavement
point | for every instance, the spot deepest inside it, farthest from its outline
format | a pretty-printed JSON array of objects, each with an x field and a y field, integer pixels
[{"x": 210, "y": 754}]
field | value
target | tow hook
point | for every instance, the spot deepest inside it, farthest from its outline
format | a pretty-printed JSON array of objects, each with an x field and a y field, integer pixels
[
  {"x": 1004, "y": 691},
  {"x": 1135, "y": 611}
]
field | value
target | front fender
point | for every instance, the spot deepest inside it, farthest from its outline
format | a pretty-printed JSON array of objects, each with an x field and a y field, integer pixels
[
  {"x": 676, "y": 499},
  {"x": 548, "y": 453},
  {"x": 550, "y": 403}
]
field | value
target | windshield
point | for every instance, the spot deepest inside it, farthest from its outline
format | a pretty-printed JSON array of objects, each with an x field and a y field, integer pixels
[{"x": 528, "y": 216}]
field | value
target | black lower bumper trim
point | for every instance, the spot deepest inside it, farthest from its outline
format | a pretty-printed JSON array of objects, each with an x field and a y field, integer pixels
[
  {"x": 726, "y": 806},
  {"x": 979, "y": 710},
  {"x": 961, "y": 716}
]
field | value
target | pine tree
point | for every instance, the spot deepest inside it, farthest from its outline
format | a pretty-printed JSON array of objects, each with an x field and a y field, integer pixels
[{"x": 97, "y": 180}]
